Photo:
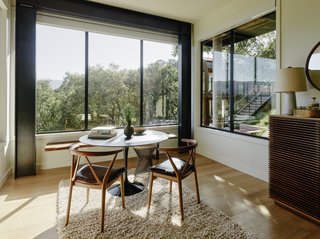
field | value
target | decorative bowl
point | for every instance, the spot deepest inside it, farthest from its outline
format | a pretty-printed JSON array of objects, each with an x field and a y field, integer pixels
[{"x": 139, "y": 130}]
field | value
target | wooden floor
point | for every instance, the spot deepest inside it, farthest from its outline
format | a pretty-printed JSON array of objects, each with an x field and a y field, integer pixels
[{"x": 28, "y": 205}]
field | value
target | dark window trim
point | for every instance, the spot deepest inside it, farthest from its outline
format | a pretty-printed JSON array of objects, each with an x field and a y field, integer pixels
[
  {"x": 86, "y": 81},
  {"x": 231, "y": 85},
  {"x": 25, "y": 150},
  {"x": 141, "y": 84},
  {"x": 25, "y": 63},
  {"x": 86, "y": 91},
  {"x": 201, "y": 83},
  {"x": 231, "y": 92},
  {"x": 106, "y": 13}
]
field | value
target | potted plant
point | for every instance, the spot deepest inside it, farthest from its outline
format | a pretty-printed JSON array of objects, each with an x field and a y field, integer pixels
[{"x": 128, "y": 114}]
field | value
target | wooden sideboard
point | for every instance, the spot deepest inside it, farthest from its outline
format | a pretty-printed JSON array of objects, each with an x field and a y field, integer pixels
[{"x": 294, "y": 164}]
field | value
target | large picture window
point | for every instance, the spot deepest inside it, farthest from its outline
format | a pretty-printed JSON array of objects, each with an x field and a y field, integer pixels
[
  {"x": 238, "y": 72},
  {"x": 160, "y": 84},
  {"x": 60, "y": 85},
  {"x": 84, "y": 80},
  {"x": 114, "y": 64}
]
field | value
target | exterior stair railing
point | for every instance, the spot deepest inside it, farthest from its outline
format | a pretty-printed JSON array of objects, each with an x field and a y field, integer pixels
[{"x": 253, "y": 96}]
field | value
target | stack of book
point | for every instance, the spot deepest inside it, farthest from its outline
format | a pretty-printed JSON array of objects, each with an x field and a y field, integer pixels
[{"x": 103, "y": 132}]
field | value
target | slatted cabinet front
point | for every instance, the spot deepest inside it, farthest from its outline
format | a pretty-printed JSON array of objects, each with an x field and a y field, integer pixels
[{"x": 294, "y": 163}]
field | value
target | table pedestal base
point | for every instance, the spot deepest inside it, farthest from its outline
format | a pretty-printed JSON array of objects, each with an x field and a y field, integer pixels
[{"x": 129, "y": 188}]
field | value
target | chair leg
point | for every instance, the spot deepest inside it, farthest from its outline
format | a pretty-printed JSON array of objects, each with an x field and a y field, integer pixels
[
  {"x": 197, "y": 186},
  {"x": 87, "y": 198},
  {"x": 122, "y": 191},
  {"x": 157, "y": 151},
  {"x": 180, "y": 199},
  {"x": 170, "y": 189},
  {"x": 69, "y": 203},
  {"x": 150, "y": 189},
  {"x": 103, "y": 204}
]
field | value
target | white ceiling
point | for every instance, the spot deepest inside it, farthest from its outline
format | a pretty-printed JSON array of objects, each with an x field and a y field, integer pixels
[{"x": 183, "y": 10}]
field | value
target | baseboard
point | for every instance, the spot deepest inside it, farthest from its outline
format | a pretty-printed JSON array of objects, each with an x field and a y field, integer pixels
[{"x": 5, "y": 177}]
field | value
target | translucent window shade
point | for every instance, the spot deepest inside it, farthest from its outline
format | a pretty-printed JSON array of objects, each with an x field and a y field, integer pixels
[{"x": 103, "y": 28}]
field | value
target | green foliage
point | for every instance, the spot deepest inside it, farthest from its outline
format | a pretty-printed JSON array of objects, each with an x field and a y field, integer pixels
[
  {"x": 161, "y": 88},
  {"x": 128, "y": 113},
  {"x": 46, "y": 108},
  {"x": 260, "y": 46},
  {"x": 110, "y": 89}
]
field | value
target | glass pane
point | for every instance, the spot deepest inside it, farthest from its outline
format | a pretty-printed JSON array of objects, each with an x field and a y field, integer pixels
[
  {"x": 241, "y": 61},
  {"x": 216, "y": 82},
  {"x": 254, "y": 74},
  {"x": 114, "y": 64},
  {"x": 60, "y": 79},
  {"x": 160, "y": 86},
  {"x": 207, "y": 80}
]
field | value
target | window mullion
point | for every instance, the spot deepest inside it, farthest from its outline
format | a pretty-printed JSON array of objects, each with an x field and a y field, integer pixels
[
  {"x": 86, "y": 82},
  {"x": 231, "y": 89},
  {"x": 141, "y": 83}
]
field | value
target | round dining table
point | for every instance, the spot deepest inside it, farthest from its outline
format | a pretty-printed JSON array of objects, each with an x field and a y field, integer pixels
[{"x": 146, "y": 138}]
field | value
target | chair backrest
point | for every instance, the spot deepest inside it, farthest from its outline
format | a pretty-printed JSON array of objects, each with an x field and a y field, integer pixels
[
  {"x": 191, "y": 146},
  {"x": 79, "y": 150}
]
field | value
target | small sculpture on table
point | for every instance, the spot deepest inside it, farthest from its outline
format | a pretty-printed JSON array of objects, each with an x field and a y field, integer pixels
[{"x": 128, "y": 129}]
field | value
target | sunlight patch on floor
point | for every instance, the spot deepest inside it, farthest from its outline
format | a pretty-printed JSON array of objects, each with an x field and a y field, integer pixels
[
  {"x": 29, "y": 212},
  {"x": 264, "y": 211},
  {"x": 219, "y": 179},
  {"x": 243, "y": 190}
]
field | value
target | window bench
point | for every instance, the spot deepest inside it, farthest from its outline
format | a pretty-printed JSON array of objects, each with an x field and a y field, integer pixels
[{"x": 59, "y": 145}]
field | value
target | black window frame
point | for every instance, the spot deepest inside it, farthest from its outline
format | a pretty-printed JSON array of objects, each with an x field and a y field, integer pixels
[
  {"x": 86, "y": 89},
  {"x": 26, "y": 11},
  {"x": 231, "y": 88}
]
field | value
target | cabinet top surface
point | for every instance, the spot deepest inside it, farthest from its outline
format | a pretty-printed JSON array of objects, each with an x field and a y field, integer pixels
[{"x": 294, "y": 117}]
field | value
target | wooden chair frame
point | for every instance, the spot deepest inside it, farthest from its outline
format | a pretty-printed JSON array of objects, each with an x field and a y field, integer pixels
[
  {"x": 179, "y": 175},
  {"x": 77, "y": 154}
]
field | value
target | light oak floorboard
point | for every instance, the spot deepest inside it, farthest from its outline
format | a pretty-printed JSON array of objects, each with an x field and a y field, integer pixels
[{"x": 28, "y": 204}]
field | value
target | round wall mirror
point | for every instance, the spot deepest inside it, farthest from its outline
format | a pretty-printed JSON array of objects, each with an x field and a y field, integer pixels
[{"x": 312, "y": 68}]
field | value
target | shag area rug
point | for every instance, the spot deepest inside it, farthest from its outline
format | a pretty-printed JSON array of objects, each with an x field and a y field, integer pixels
[{"x": 136, "y": 221}]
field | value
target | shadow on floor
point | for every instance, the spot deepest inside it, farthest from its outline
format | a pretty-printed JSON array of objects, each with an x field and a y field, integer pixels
[{"x": 51, "y": 233}]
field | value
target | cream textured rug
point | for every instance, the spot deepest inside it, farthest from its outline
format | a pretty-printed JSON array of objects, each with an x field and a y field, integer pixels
[{"x": 162, "y": 221}]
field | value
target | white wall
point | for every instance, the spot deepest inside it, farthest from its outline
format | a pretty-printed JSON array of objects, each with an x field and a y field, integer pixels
[
  {"x": 4, "y": 4},
  {"x": 5, "y": 149},
  {"x": 297, "y": 33},
  {"x": 244, "y": 153}
]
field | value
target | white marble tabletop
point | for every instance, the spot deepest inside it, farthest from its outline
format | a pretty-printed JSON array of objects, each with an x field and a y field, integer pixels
[{"x": 148, "y": 137}]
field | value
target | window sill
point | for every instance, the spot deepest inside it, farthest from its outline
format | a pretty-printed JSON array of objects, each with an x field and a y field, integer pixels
[
  {"x": 78, "y": 134},
  {"x": 60, "y": 135},
  {"x": 236, "y": 136}
]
